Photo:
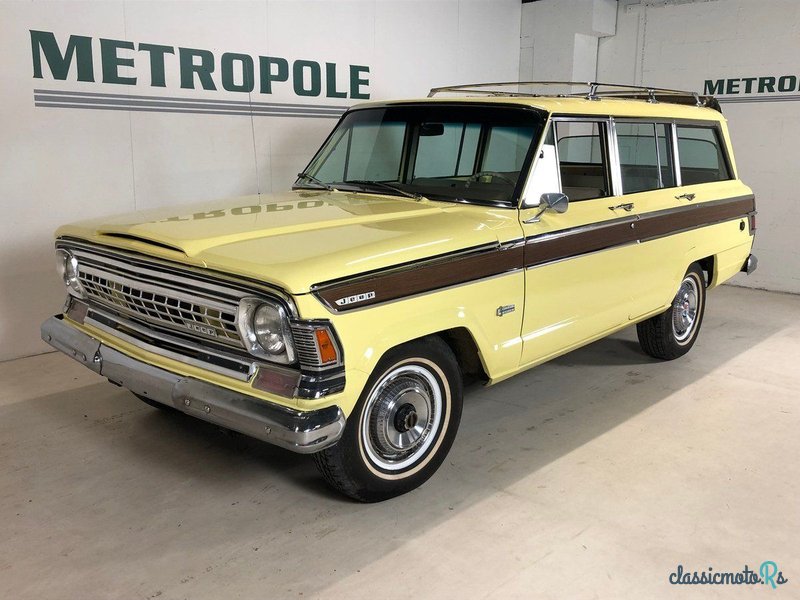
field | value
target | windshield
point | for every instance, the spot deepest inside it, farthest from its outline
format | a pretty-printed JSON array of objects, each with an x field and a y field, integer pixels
[{"x": 462, "y": 153}]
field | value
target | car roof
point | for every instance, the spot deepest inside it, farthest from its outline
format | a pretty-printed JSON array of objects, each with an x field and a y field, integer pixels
[{"x": 558, "y": 105}]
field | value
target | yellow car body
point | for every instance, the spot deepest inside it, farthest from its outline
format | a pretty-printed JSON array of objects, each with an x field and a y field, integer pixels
[{"x": 507, "y": 287}]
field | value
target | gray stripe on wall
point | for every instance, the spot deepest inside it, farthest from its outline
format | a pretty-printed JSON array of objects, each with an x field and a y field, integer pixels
[
  {"x": 748, "y": 99},
  {"x": 308, "y": 115},
  {"x": 138, "y": 103},
  {"x": 178, "y": 99}
]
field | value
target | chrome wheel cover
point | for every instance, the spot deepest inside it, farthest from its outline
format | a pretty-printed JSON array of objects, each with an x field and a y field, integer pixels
[
  {"x": 402, "y": 416},
  {"x": 684, "y": 309}
]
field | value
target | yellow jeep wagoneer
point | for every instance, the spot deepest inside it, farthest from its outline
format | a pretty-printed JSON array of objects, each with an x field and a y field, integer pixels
[{"x": 479, "y": 232}]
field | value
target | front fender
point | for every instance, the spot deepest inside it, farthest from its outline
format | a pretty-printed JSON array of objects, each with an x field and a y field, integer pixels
[{"x": 368, "y": 333}]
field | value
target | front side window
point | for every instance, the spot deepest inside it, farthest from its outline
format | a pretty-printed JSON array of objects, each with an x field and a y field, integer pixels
[
  {"x": 444, "y": 152},
  {"x": 644, "y": 156},
  {"x": 582, "y": 161},
  {"x": 701, "y": 156}
]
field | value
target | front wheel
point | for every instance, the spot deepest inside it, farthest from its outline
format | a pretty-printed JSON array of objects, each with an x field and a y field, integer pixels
[
  {"x": 673, "y": 333},
  {"x": 402, "y": 426}
]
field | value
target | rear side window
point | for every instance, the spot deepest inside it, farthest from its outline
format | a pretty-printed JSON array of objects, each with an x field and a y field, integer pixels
[
  {"x": 701, "y": 157},
  {"x": 644, "y": 156}
]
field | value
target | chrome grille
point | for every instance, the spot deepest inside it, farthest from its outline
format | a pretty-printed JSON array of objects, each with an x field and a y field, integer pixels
[
  {"x": 174, "y": 301},
  {"x": 151, "y": 302},
  {"x": 162, "y": 305}
]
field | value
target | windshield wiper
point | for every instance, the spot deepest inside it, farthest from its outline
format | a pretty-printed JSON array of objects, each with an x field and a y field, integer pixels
[
  {"x": 313, "y": 179},
  {"x": 386, "y": 186}
]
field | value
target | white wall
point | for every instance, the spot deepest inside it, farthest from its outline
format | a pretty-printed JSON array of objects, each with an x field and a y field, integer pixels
[
  {"x": 682, "y": 43},
  {"x": 63, "y": 164}
]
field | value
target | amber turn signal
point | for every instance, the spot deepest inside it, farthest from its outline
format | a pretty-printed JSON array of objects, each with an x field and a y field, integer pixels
[{"x": 327, "y": 349}]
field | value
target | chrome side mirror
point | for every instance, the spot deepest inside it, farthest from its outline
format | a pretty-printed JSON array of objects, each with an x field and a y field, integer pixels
[
  {"x": 557, "y": 201},
  {"x": 552, "y": 201}
]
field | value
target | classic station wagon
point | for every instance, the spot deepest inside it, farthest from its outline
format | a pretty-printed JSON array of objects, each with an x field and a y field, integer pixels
[{"x": 476, "y": 233}]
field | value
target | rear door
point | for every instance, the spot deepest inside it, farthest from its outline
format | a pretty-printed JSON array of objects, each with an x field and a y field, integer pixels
[
  {"x": 648, "y": 186},
  {"x": 671, "y": 173}
]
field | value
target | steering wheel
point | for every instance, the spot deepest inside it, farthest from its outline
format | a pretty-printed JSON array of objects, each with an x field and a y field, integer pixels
[{"x": 505, "y": 178}]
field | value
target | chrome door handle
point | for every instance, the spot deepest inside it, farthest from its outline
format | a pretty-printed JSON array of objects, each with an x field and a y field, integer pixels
[
  {"x": 688, "y": 197},
  {"x": 627, "y": 207}
]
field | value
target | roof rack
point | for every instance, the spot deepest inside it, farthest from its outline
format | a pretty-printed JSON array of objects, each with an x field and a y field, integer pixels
[{"x": 591, "y": 90}]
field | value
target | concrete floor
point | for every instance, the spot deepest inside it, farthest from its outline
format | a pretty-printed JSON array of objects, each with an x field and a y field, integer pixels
[{"x": 592, "y": 476}]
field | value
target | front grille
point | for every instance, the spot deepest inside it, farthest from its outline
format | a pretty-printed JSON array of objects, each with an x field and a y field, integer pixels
[
  {"x": 181, "y": 307},
  {"x": 160, "y": 304}
]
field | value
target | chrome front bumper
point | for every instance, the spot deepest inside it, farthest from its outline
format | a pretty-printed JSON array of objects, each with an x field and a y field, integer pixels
[{"x": 301, "y": 431}]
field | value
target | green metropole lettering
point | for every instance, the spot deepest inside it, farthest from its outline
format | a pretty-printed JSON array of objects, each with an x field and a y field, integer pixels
[
  {"x": 265, "y": 64},
  {"x": 787, "y": 83},
  {"x": 330, "y": 82},
  {"x": 226, "y": 64},
  {"x": 157, "y": 53},
  {"x": 357, "y": 82},
  {"x": 112, "y": 61},
  {"x": 732, "y": 87},
  {"x": 78, "y": 47},
  {"x": 298, "y": 75},
  {"x": 766, "y": 84},
  {"x": 748, "y": 84},
  {"x": 189, "y": 69},
  {"x": 713, "y": 87}
]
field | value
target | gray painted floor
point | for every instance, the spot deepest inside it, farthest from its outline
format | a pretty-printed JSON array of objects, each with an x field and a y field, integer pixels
[{"x": 592, "y": 476}]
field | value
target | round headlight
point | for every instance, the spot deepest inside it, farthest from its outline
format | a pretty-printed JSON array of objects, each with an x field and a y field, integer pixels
[
  {"x": 67, "y": 267},
  {"x": 268, "y": 328},
  {"x": 265, "y": 330}
]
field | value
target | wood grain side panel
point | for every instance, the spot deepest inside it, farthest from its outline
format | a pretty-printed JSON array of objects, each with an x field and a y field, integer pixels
[
  {"x": 423, "y": 277},
  {"x": 442, "y": 272}
]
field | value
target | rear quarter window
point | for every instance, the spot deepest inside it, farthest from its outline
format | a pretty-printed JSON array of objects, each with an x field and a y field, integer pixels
[{"x": 702, "y": 158}]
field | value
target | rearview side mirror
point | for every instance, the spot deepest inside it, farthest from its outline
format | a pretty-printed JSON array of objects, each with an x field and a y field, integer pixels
[{"x": 555, "y": 201}]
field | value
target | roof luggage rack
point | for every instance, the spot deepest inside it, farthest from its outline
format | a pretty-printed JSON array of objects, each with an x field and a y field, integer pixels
[{"x": 590, "y": 90}]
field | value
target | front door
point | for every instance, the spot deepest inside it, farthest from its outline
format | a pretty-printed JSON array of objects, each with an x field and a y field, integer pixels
[{"x": 578, "y": 275}]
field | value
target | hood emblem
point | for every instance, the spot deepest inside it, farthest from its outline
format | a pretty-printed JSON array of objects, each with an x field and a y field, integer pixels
[{"x": 355, "y": 299}]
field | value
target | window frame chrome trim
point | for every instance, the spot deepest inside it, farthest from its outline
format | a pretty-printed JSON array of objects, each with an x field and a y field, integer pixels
[
  {"x": 608, "y": 154},
  {"x": 676, "y": 157}
]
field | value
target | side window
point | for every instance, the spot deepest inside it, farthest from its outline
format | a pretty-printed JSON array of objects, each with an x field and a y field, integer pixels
[
  {"x": 582, "y": 159},
  {"x": 701, "y": 156},
  {"x": 644, "y": 156}
]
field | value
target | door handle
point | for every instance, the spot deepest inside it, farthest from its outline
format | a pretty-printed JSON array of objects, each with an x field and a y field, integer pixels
[
  {"x": 688, "y": 197},
  {"x": 627, "y": 207}
]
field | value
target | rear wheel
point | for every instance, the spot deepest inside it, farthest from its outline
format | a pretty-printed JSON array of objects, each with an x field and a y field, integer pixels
[
  {"x": 402, "y": 426},
  {"x": 673, "y": 333}
]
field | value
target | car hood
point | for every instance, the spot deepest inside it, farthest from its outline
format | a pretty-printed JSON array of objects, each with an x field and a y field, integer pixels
[{"x": 300, "y": 238}]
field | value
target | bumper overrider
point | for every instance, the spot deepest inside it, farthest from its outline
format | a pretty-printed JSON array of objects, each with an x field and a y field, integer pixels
[
  {"x": 750, "y": 265},
  {"x": 305, "y": 432}
]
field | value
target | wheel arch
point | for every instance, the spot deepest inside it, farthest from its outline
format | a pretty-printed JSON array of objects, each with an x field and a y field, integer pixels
[{"x": 709, "y": 266}]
